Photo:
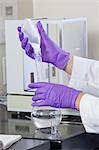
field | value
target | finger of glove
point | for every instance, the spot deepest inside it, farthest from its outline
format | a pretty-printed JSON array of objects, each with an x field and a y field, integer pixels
[
  {"x": 38, "y": 97},
  {"x": 40, "y": 91},
  {"x": 21, "y": 36},
  {"x": 29, "y": 50},
  {"x": 36, "y": 85},
  {"x": 41, "y": 103},
  {"x": 24, "y": 42},
  {"x": 19, "y": 28},
  {"x": 41, "y": 29}
]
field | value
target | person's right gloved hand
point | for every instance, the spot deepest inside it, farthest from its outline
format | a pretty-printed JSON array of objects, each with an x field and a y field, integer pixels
[
  {"x": 54, "y": 95},
  {"x": 50, "y": 52}
]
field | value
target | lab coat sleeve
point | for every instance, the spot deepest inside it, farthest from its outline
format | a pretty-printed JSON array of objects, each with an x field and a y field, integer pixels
[
  {"x": 80, "y": 68},
  {"x": 85, "y": 75},
  {"x": 89, "y": 111}
]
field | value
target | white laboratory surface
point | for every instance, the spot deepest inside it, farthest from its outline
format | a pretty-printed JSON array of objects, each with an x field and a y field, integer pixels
[{"x": 70, "y": 34}]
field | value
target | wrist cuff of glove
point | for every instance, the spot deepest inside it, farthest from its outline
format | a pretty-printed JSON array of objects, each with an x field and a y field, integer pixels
[
  {"x": 74, "y": 97},
  {"x": 62, "y": 60}
]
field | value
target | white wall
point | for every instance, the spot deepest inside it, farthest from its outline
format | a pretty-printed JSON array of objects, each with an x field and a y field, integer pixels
[
  {"x": 71, "y": 9},
  {"x": 25, "y": 9}
]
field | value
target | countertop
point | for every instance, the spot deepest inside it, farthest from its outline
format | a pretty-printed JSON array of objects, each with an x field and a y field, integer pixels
[{"x": 70, "y": 136}]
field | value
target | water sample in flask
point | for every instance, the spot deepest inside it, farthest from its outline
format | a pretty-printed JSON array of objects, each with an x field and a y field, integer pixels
[{"x": 46, "y": 117}]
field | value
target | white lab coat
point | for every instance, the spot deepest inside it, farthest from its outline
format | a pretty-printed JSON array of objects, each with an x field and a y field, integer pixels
[{"x": 85, "y": 77}]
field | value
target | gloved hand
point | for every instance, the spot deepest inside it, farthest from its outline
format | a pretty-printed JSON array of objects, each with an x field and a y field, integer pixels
[
  {"x": 54, "y": 95},
  {"x": 51, "y": 53},
  {"x": 25, "y": 44}
]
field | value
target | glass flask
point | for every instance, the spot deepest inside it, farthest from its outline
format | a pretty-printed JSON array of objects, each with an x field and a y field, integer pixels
[{"x": 46, "y": 117}]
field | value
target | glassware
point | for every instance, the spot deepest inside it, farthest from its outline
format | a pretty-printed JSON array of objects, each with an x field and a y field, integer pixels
[
  {"x": 29, "y": 29},
  {"x": 44, "y": 117}
]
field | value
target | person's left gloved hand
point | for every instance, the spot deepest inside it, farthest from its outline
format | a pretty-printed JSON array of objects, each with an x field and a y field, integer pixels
[
  {"x": 54, "y": 95},
  {"x": 25, "y": 44}
]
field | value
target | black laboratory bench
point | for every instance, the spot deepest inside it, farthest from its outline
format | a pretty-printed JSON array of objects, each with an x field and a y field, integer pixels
[{"x": 71, "y": 134}]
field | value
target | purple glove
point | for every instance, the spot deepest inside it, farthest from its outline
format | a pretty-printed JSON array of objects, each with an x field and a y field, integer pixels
[
  {"x": 54, "y": 95},
  {"x": 25, "y": 44},
  {"x": 51, "y": 53}
]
